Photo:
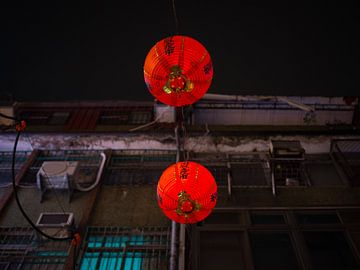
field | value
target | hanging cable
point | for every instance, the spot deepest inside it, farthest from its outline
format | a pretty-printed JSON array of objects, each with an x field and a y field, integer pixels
[
  {"x": 18, "y": 201},
  {"x": 8, "y": 117},
  {"x": 47, "y": 179},
  {"x": 175, "y": 17},
  {"x": 20, "y": 126}
]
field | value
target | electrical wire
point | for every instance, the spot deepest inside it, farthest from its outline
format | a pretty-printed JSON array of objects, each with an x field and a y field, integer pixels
[
  {"x": 8, "y": 117},
  {"x": 18, "y": 122},
  {"x": 18, "y": 201},
  {"x": 75, "y": 237},
  {"x": 175, "y": 17}
]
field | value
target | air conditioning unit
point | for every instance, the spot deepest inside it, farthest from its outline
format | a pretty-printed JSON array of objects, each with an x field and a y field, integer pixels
[
  {"x": 164, "y": 113},
  {"x": 57, "y": 175},
  {"x": 292, "y": 182},
  {"x": 286, "y": 149},
  {"x": 56, "y": 224}
]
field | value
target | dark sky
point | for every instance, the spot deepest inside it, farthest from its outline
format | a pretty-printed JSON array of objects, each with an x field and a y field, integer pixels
[{"x": 53, "y": 52}]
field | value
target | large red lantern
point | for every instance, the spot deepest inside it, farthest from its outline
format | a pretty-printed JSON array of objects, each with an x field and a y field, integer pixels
[
  {"x": 178, "y": 70},
  {"x": 186, "y": 192}
]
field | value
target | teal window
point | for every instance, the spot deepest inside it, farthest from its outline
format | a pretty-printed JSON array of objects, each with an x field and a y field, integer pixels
[{"x": 126, "y": 249}]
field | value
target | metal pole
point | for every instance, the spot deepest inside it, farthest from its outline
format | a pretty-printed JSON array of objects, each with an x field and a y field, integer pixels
[
  {"x": 273, "y": 184},
  {"x": 173, "y": 246},
  {"x": 182, "y": 247},
  {"x": 174, "y": 225},
  {"x": 229, "y": 182}
]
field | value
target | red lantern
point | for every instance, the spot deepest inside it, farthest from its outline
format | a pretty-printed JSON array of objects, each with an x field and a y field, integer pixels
[
  {"x": 186, "y": 192},
  {"x": 178, "y": 70}
]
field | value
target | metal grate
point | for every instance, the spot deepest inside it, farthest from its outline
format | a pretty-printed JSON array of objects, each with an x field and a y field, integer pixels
[
  {"x": 59, "y": 118},
  {"x": 220, "y": 174},
  {"x": 89, "y": 161},
  {"x": 289, "y": 172},
  {"x": 21, "y": 248},
  {"x": 140, "y": 117},
  {"x": 125, "y": 248},
  {"x": 137, "y": 167},
  {"x": 36, "y": 117},
  {"x": 348, "y": 146},
  {"x": 126, "y": 115},
  {"x": 119, "y": 176},
  {"x": 6, "y": 163},
  {"x": 347, "y": 154},
  {"x": 322, "y": 173},
  {"x": 249, "y": 174}
]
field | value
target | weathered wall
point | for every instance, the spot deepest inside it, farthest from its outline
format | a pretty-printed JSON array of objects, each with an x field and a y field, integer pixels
[{"x": 206, "y": 143}]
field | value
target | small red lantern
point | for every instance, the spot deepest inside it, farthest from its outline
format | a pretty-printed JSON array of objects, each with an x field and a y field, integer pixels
[
  {"x": 186, "y": 192},
  {"x": 178, "y": 70}
]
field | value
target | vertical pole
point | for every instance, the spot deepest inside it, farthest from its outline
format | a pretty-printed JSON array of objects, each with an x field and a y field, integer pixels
[
  {"x": 229, "y": 182},
  {"x": 174, "y": 226},
  {"x": 182, "y": 247},
  {"x": 181, "y": 251},
  {"x": 273, "y": 178}
]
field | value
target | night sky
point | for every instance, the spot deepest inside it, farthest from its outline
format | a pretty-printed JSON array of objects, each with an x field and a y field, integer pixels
[{"x": 51, "y": 52}]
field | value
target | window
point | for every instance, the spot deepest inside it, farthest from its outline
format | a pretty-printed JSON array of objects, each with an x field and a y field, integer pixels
[
  {"x": 350, "y": 217},
  {"x": 277, "y": 239},
  {"x": 132, "y": 176},
  {"x": 21, "y": 248},
  {"x": 264, "y": 218},
  {"x": 113, "y": 118},
  {"x": 288, "y": 173},
  {"x": 137, "y": 167},
  {"x": 321, "y": 171},
  {"x": 313, "y": 218},
  {"x": 126, "y": 115},
  {"x": 221, "y": 250},
  {"x": 140, "y": 117},
  {"x": 59, "y": 118},
  {"x": 323, "y": 174},
  {"x": 220, "y": 174},
  {"x": 224, "y": 218},
  {"x": 272, "y": 251},
  {"x": 36, "y": 117},
  {"x": 347, "y": 154},
  {"x": 118, "y": 248},
  {"x": 329, "y": 251},
  {"x": 248, "y": 174},
  {"x": 6, "y": 163}
]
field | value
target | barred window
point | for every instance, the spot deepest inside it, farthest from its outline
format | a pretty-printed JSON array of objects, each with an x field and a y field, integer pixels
[{"x": 123, "y": 248}]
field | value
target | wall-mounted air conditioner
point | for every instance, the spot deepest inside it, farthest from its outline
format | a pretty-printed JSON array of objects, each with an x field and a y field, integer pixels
[
  {"x": 286, "y": 149},
  {"x": 56, "y": 224},
  {"x": 57, "y": 175},
  {"x": 164, "y": 113}
]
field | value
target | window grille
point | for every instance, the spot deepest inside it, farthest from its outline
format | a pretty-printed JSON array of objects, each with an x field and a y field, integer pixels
[
  {"x": 124, "y": 248},
  {"x": 137, "y": 167},
  {"x": 347, "y": 154},
  {"x": 89, "y": 162},
  {"x": 321, "y": 171},
  {"x": 278, "y": 239},
  {"x": 126, "y": 116},
  {"x": 6, "y": 163},
  {"x": 20, "y": 248}
]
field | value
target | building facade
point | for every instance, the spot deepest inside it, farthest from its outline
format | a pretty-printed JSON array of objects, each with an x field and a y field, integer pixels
[{"x": 287, "y": 170}]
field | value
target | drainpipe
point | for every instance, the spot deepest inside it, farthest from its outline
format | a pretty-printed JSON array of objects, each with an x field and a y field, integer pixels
[
  {"x": 173, "y": 246},
  {"x": 182, "y": 247},
  {"x": 229, "y": 182},
  {"x": 273, "y": 179},
  {"x": 174, "y": 225}
]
